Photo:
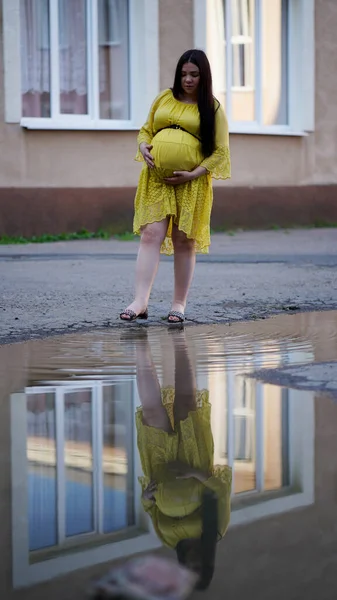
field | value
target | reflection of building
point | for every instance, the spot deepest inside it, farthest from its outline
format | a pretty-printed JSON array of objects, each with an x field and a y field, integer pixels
[
  {"x": 79, "y": 70},
  {"x": 75, "y": 458}
]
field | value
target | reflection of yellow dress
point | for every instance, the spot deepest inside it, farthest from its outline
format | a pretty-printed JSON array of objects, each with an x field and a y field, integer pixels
[
  {"x": 189, "y": 204},
  {"x": 176, "y": 514}
]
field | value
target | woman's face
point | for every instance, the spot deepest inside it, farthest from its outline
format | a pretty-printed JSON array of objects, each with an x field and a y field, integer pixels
[{"x": 190, "y": 78}]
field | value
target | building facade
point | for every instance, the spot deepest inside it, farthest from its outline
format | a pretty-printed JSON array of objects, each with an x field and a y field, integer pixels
[{"x": 78, "y": 77}]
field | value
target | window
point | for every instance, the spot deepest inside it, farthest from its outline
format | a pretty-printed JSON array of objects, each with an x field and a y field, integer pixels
[
  {"x": 249, "y": 44},
  {"x": 241, "y": 43},
  {"x": 75, "y": 468},
  {"x": 80, "y": 465},
  {"x": 81, "y": 64},
  {"x": 251, "y": 432},
  {"x": 254, "y": 84},
  {"x": 264, "y": 432},
  {"x": 80, "y": 33}
]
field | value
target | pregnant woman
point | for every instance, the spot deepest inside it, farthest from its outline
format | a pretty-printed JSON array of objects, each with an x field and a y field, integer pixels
[{"x": 184, "y": 143}]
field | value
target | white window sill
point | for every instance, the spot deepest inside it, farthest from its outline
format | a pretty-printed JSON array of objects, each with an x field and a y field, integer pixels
[
  {"x": 242, "y": 89},
  {"x": 277, "y": 131},
  {"x": 78, "y": 125},
  {"x": 104, "y": 125}
]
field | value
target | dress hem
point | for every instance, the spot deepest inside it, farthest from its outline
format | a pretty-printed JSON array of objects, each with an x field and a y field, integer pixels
[{"x": 204, "y": 249}]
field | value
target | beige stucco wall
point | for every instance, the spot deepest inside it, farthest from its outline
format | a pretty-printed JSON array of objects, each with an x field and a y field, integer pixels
[
  {"x": 104, "y": 159},
  {"x": 321, "y": 151},
  {"x": 175, "y": 35}
]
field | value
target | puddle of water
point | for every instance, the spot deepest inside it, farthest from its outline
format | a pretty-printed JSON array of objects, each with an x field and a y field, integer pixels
[{"x": 76, "y": 454}]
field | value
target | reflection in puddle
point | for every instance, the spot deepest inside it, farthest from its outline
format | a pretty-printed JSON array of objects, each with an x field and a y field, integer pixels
[
  {"x": 176, "y": 448},
  {"x": 115, "y": 438},
  {"x": 78, "y": 451}
]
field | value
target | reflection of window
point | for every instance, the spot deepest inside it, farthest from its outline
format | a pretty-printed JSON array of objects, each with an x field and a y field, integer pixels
[
  {"x": 253, "y": 433},
  {"x": 80, "y": 465},
  {"x": 74, "y": 472},
  {"x": 244, "y": 421}
]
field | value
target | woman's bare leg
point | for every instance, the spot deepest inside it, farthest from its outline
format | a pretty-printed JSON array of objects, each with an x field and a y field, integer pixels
[
  {"x": 152, "y": 237},
  {"x": 185, "y": 382},
  {"x": 184, "y": 264},
  {"x": 154, "y": 413}
]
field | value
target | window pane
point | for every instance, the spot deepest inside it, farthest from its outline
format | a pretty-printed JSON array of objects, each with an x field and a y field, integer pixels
[
  {"x": 275, "y": 57},
  {"x": 244, "y": 435},
  {"x": 113, "y": 39},
  {"x": 276, "y": 438},
  {"x": 258, "y": 67},
  {"x": 41, "y": 457},
  {"x": 73, "y": 57},
  {"x": 243, "y": 53},
  {"x": 216, "y": 47},
  {"x": 78, "y": 462},
  {"x": 118, "y": 476},
  {"x": 35, "y": 58}
]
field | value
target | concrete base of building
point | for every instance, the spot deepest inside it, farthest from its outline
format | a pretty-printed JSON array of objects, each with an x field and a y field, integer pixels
[{"x": 30, "y": 212}]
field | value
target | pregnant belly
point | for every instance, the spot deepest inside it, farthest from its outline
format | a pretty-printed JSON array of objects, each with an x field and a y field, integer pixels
[{"x": 175, "y": 150}]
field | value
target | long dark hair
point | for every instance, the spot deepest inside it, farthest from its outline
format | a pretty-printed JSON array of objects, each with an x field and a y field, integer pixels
[
  {"x": 206, "y": 545},
  {"x": 205, "y": 96}
]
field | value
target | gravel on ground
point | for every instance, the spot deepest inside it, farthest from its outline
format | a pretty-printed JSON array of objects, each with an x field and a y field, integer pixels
[{"x": 71, "y": 286}]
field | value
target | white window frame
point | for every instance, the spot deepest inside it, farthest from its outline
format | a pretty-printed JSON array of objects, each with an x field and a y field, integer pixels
[
  {"x": 96, "y": 392},
  {"x": 249, "y": 507},
  {"x": 260, "y": 503},
  {"x": 141, "y": 537},
  {"x": 301, "y": 68},
  {"x": 247, "y": 41},
  {"x": 143, "y": 76}
]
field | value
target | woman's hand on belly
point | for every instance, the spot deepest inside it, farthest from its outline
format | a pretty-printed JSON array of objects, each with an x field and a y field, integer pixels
[
  {"x": 145, "y": 150},
  {"x": 150, "y": 490},
  {"x": 180, "y": 177}
]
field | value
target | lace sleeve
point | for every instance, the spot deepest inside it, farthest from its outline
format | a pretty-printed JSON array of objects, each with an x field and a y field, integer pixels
[
  {"x": 146, "y": 132},
  {"x": 219, "y": 163}
]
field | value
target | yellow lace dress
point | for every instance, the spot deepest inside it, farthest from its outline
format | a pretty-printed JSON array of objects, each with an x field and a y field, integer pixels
[
  {"x": 188, "y": 205},
  {"x": 176, "y": 512}
]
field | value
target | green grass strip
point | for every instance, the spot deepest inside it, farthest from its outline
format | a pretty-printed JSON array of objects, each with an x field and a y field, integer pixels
[{"x": 83, "y": 234}]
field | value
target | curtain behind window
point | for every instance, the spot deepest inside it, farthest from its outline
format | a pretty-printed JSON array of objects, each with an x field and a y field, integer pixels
[
  {"x": 113, "y": 56},
  {"x": 35, "y": 58}
]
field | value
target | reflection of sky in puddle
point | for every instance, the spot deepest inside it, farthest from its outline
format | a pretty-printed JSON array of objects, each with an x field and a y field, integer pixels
[
  {"x": 79, "y": 450},
  {"x": 75, "y": 463}
]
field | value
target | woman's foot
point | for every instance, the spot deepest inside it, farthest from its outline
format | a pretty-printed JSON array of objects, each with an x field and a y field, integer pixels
[
  {"x": 177, "y": 313},
  {"x": 134, "y": 311}
]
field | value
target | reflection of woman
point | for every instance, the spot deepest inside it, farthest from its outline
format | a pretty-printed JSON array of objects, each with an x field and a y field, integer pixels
[
  {"x": 176, "y": 448},
  {"x": 184, "y": 143}
]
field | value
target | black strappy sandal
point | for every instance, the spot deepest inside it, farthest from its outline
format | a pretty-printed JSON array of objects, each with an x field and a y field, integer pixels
[
  {"x": 175, "y": 313},
  {"x": 133, "y": 316}
]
